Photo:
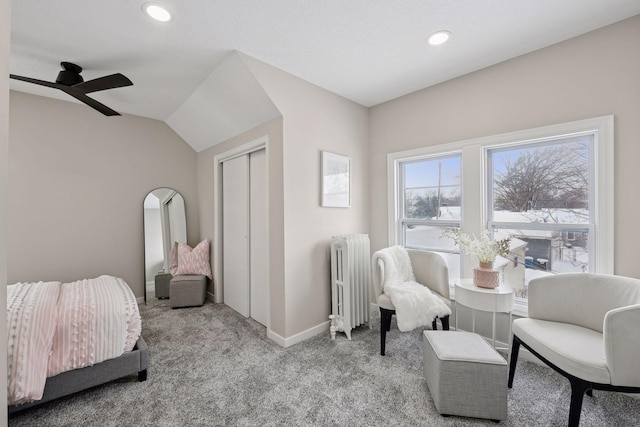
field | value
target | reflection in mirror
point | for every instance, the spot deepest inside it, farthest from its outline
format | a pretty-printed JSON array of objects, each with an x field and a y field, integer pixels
[{"x": 165, "y": 225}]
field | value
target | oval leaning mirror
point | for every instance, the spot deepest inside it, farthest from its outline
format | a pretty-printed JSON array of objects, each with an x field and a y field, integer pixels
[{"x": 165, "y": 224}]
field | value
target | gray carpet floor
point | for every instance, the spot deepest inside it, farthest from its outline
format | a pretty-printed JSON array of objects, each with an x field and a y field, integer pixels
[{"x": 209, "y": 366}]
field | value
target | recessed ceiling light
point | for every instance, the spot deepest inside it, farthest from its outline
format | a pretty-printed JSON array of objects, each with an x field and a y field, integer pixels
[
  {"x": 439, "y": 37},
  {"x": 156, "y": 12}
]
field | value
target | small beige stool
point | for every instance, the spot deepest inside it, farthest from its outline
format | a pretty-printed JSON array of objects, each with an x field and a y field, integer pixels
[
  {"x": 465, "y": 375},
  {"x": 187, "y": 290}
]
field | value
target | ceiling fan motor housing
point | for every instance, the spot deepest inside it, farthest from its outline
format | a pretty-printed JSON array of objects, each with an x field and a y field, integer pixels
[{"x": 70, "y": 74}]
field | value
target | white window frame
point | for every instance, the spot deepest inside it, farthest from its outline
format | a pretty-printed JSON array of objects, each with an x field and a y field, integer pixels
[
  {"x": 420, "y": 221},
  {"x": 474, "y": 190}
]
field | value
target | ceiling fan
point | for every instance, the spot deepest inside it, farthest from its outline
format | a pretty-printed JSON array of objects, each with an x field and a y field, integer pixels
[{"x": 71, "y": 82}]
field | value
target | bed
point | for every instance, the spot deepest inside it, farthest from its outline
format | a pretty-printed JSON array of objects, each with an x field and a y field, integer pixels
[{"x": 66, "y": 337}]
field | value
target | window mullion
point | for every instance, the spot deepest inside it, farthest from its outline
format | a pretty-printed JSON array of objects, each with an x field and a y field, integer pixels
[{"x": 472, "y": 196}]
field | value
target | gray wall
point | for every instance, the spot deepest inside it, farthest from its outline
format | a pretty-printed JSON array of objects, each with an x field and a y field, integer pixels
[
  {"x": 5, "y": 35},
  {"x": 314, "y": 120},
  {"x": 592, "y": 75},
  {"x": 78, "y": 182}
]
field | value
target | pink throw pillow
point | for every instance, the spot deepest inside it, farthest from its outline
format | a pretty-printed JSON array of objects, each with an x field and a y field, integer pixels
[{"x": 194, "y": 261}]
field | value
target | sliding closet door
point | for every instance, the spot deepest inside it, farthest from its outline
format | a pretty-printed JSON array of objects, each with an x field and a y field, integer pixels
[
  {"x": 259, "y": 243},
  {"x": 235, "y": 217}
]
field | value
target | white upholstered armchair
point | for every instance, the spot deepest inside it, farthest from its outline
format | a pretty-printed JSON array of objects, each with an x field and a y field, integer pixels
[
  {"x": 429, "y": 269},
  {"x": 587, "y": 328}
]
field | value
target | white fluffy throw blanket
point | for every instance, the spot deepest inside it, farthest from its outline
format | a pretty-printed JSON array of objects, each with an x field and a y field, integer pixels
[{"x": 416, "y": 305}]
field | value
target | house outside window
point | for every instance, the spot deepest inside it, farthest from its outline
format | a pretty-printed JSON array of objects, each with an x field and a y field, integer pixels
[
  {"x": 538, "y": 193},
  {"x": 550, "y": 189}
]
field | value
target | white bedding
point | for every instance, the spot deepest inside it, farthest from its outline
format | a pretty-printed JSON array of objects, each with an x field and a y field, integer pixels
[
  {"x": 65, "y": 326},
  {"x": 31, "y": 319}
]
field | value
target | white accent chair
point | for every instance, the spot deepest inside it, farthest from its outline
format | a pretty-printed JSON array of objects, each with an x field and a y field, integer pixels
[
  {"x": 587, "y": 328},
  {"x": 430, "y": 270}
]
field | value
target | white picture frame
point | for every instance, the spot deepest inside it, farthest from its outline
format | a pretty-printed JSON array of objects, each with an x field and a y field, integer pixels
[{"x": 336, "y": 180}]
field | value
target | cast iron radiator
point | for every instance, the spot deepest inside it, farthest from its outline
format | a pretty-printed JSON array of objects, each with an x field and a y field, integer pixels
[{"x": 350, "y": 282}]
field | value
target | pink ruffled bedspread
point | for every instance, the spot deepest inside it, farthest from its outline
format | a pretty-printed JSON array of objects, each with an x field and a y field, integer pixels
[{"x": 54, "y": 327}]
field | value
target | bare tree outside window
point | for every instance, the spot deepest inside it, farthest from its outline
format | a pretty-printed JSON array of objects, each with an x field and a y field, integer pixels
[
  {"x": 546, "y": 184},
  {"x": 547, "y": 177},
  {"x": 431, "y": 184}
]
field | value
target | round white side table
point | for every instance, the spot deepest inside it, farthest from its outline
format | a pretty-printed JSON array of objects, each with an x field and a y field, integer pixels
[{"x": 497, "y": 300}]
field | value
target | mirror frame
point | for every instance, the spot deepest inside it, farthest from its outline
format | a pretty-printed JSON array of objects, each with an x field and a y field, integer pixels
[{"x": 164, "y": 224}]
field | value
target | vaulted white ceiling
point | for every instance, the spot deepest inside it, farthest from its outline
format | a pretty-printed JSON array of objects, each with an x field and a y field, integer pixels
[
  {"x": 369, "y": 51},
  {"x": 229, "y": 102}
]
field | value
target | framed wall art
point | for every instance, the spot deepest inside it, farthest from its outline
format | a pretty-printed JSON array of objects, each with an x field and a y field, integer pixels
[{"x": 336, "y": 180}]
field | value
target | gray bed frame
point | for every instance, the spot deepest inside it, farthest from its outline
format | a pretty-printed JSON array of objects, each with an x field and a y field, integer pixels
[{"x": 134, "y": 362}]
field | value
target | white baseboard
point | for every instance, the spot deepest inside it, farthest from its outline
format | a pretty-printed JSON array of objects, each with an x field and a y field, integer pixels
[
  {"x": 140, "y": 300},
  {"x": 281, "y": 341},
  {"x": 299, "y": 337}
]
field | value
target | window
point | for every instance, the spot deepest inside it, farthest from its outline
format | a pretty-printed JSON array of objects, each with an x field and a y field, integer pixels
[
  {"x": 550, "y": 189},
  {"x": 538, "y": 194},
  {"x": 429, "y": 202}
]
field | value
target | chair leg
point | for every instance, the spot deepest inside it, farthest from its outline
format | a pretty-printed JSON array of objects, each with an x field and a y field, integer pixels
[
  {"x": 445, "y": 322},
  {"x": 383, "y": 330},
  {"x": 515, "y": 349},
  {"x": 385, "y": 325},
  {"x": 578, "y": 388}
]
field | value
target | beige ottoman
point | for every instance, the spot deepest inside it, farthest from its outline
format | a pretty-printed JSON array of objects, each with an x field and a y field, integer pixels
[
  {"x": 465, "y": 375},
  {"x": 162, "y": 285},
  {"x": 187, "y": 290}
]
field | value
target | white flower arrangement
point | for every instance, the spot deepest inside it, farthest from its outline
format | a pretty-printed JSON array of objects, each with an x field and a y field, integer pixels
[{"x": 484, "y": 248}]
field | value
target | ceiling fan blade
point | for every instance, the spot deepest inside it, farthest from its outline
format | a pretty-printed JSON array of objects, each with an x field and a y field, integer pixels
[
  {"x": 91, "y": 102},
  {"x": 36, "y": 81},
  {"x": 103, "y": 83}
]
